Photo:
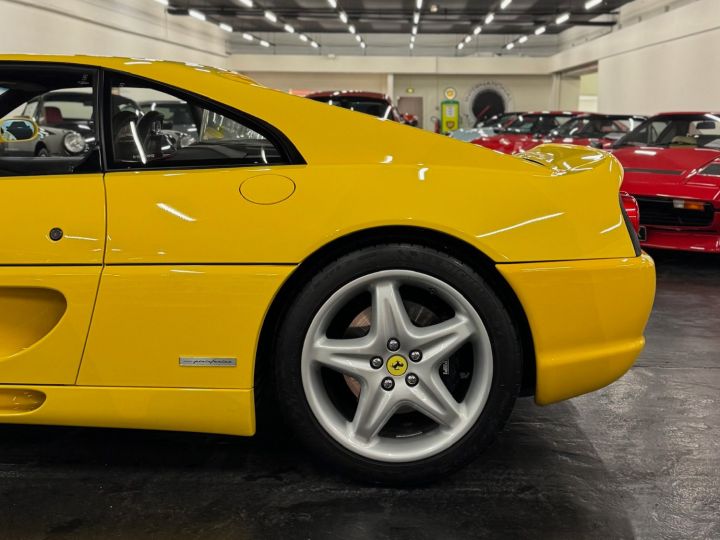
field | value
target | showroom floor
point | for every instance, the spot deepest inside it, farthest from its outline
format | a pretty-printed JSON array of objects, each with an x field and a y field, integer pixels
[{"x": 638, "y": 459}]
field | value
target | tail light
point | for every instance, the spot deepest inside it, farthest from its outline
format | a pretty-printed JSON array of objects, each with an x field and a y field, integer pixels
[
  {"x": 632, "y": 210},
  {"x": 631, "y": 214}
]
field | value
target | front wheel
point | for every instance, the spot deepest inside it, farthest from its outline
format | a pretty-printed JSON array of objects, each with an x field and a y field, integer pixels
[{"x": 397, "y": 364}]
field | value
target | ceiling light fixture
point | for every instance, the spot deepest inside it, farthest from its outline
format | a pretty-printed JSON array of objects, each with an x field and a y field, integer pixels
[
  {"x": 467, "y": 39},
  {"x": 246, "y": 3},
  {"x": 565, "y": 17},
  {"x": 314, "y": 44},
  {"x": 433, "y": 8},
  {"x": 333, "y": 3},
  {"x": 163, "y": 2},
  {"x": 303, "y": 37},
  {"x": 351, "y": 29},
  {"x": 362, "y": 45},
  {"x": 358, "y": 38},
  {"x": 412, "y": 45},
  {"x": 343, "y": 17},
  {"x": 289, "y": 29},
  {"x": 418, "y": 4},
  {"x": 412, "y": 39},
  {"x": 505, "y": 3},
  {"x": 489, "y": 18},
  {"x": 592, "y": 3},
  {"x": 414, "y": 30},
  {"x": 264, "y": 43},
  {"x": 270, "y": 16},
  {"x": 416, "y": 17},
  {"x": 523, "y": 39},
  {"x": 248, "y": 36},
  {"x": 195, "y": 14},
  {"x": 477, "y": 30},
  {"x": 510, "y": 46},
  {"x": 460, "y": 45},
  {"x": 225, "y": 27},
  {"x": 540, "y": 30}
]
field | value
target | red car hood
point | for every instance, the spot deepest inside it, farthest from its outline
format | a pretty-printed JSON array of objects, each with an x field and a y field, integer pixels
[
  {"x": 670, "y": 172},
  {"x": 508, "y": 143}
]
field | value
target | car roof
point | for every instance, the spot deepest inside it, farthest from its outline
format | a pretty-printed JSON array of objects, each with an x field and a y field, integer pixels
[
  {"x": 349, "y": 93},
  {"x": 611, "y": 116},
  {"x": 120, "y": 63},
  {"x": 686, "y": 113}
]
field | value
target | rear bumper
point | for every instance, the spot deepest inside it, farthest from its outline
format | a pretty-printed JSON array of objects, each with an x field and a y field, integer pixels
[
  {"x": 587, "y": 320},
  {"x": 682, "y": 240}
]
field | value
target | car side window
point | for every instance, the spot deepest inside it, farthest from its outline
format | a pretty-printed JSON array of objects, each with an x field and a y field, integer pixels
[
  {"x": 47, "y": 121},
  {"x": 152, "y": 126}
]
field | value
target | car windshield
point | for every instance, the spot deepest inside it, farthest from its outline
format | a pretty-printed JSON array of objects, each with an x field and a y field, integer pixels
[
  {"x": 688, "y": 130},
  {"x": 539, "y": 124},
  {"x": 176, "y": 114},
  {"x": 595, "y": 126},
  {"x": 71, "y": 106},
  {"x": 372, "y": 106},
  {"x": 497, "y": 121}
]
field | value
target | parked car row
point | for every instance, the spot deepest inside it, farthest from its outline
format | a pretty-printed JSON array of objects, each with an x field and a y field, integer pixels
[{"x": 671, "y": 163}]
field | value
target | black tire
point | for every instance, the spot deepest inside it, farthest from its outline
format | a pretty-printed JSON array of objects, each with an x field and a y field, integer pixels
[
  {"x": 504, "y": 338},
  {"x": 42, "y": 152}
]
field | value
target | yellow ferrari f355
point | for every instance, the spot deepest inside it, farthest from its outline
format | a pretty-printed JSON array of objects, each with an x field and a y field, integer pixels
[{"x": 182, "y": 247}]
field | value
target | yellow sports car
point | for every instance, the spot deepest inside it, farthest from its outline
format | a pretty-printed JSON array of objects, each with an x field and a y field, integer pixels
[{"x": 392, "y": 291}]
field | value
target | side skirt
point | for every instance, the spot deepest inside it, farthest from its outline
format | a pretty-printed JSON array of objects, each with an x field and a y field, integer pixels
[{"x": 222, "y": 411}]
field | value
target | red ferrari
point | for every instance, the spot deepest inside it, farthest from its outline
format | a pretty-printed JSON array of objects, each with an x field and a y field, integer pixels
[
  {"x": 526, "y": 131},
  {"x": 672, "y": 168},
  {"x": 596, "y": 130}
]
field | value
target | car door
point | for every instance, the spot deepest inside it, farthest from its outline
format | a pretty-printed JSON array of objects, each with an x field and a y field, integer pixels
[
  {"x": 52, "y": 247},
  {"x": 179, "y": 305}
]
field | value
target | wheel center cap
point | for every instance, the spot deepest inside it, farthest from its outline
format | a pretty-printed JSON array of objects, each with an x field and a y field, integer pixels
[{"x": 396, "y": 365}]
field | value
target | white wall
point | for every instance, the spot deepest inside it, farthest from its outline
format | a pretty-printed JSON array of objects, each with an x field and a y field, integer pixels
[
  {"x": 683, "y": 74},
  {"x": 372, "y": 82},
  {"x": 135, "y": 28}
]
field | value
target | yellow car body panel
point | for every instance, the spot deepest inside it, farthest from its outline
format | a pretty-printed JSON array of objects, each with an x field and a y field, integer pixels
[
  {"x": 224, "y": 411},
  {"x": 148, "y": 317},
  {"x": 583, "y": 316},
  {"x": 190, "y": 260}
]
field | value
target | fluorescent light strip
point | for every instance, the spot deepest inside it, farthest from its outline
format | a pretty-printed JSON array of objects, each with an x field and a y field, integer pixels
[
  {"x": 163, "y": 2},
  {"x": 540, "y": 30},
  {"x": 270, "y": 16},
  {"x": 351, "y": 29},
  {"x": 477, "y": 30},
  {"x": 343, "y": 17},
  {"x": 565, "y": 17},
  {"x": 246, "y": 3},
  {"x": 592, "y": 3},
  {"x": 505, "y": 3},
  {"x": 195, "y": 14},
  {"x": 489, "y": 18},
  {"x": 289, "y": 29},
  {"x": 523, "y": 39},
  {"x": 510, "y": 46},
  {"x": 225, "y": 27},
  {"x": 333, "y": 3}
]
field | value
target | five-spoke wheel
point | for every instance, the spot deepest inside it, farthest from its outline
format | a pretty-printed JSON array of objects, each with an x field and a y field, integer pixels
[{"x": 397, "y": 363}]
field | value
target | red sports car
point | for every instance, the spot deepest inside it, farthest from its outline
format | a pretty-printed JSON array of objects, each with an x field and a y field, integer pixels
[
  {"x": 526, "y": 131},
  {"x": 372, "y": 103},
  {"x": 596, "y": 130},
  {"x": 672, "y": 168}
]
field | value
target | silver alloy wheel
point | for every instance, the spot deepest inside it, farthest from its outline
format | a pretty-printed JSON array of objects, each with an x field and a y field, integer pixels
[{"x": 430, "y": 396}]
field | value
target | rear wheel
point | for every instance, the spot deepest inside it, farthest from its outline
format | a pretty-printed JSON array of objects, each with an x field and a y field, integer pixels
[{"x": 397, "y": 364}]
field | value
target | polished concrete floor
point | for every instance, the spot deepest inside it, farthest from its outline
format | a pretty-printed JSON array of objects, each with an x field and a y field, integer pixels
[{"x": 640, "y": 459}]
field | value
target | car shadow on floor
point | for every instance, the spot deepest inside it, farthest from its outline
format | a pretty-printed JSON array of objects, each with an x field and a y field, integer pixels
[{"x": 541, "y": 478}]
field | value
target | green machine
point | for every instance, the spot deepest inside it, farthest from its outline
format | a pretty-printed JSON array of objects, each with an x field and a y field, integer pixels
[{"x": 449, "y": 112}]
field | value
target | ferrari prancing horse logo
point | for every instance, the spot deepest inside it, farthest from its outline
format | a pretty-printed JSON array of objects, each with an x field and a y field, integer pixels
[{"x": 397, "y": 365}]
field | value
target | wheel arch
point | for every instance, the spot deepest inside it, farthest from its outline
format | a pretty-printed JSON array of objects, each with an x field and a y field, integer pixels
[{"x": 429, "y": 238}]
